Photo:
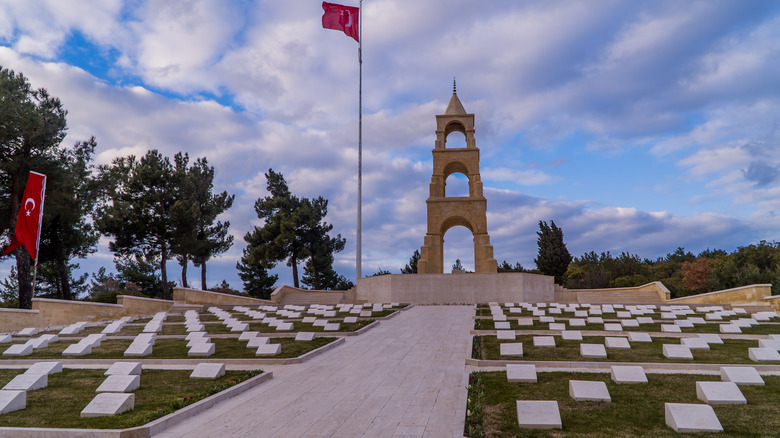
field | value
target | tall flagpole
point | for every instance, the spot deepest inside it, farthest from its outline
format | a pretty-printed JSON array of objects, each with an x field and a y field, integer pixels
[
  {"x": 358, "y": 267},
  {"x": 38, "y": 241}
]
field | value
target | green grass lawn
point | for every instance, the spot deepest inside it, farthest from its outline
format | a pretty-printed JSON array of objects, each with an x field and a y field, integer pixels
[
  {"x": 731, "y": 352},
  {"x": 635, "y": 410},
  {"x": 227, "y": 348},
  {"x": 161, "y": 392}
]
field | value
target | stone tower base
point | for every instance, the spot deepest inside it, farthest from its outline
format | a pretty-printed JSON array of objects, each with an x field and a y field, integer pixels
[{"x": 456, "y": 288}]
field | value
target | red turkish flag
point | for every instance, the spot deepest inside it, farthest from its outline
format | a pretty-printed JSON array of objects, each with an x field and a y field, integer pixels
[
  {"x": 30, "y": 213},
  {"x": 340, "y": 17}
]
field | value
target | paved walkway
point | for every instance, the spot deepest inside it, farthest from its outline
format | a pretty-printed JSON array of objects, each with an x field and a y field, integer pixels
[{"x": 406, "y": 377}]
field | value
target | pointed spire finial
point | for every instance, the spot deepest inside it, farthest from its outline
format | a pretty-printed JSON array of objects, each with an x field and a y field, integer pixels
[{"x": 454, "y": 88}]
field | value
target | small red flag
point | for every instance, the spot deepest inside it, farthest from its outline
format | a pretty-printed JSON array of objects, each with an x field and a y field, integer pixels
[
  {"x": 28, "y": 222},
  {"x": 340, "y": 17}
]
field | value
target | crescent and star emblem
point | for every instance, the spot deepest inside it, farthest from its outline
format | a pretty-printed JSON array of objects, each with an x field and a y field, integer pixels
[
  {"x": 349, "y": 18},
  {"x": 29, "y": 201}
]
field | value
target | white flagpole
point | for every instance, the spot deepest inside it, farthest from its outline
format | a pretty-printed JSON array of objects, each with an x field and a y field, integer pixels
[
  {"x": 40, "y": 225},
  {"x": 358, "y": 256}
]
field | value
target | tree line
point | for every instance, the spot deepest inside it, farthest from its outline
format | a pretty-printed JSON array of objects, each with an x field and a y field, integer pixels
[
  {"x": 154, "y": 209},
  {"x": 682, "y": 272}
]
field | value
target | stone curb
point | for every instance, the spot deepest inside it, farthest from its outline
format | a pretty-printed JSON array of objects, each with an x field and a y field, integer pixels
[
  {"x": 146, "y": 430},
  {"x": 736, "y": 337}
]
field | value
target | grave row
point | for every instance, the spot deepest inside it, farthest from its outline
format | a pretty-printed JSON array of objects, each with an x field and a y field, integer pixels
[
  {"x": 679, "y": 416},
  {"x": 768, "y": 349}
]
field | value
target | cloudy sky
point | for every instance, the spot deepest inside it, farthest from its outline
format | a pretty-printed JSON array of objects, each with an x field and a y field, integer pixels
[{"x": 636, "y": 126}]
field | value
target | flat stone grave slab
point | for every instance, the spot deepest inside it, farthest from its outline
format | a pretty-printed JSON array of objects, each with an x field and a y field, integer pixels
[
  {"x": 201, "y": 350},
  {"x": 577, "y": 322},
  {"x": 350, "y": 320},
  {"x": 268, "y": 350},
  {"x": 571, "y": 335},
  {"x": 730, "y": 328},
  {"x": 108, "y": 404},
  {"x": 505, "y": 335},
  {"x": 695, "y": 343},
  {"x": 12, "y": 400},
  {"x": 499, "y": 317},
  {"x": 245, "y": 336},
  {"x": 45, "y": 368},
  {"x": 593, "y": 351},
  {"x": 124, "y": 369},
  {"x": 311, "y": 319},
  {"x": 639, "y": 337},
  {"x": 193, "y": 335},
  {"x": 80, "y": 348},
  {"x": 331, "y": 327},
  {"x": 197, "y": 341},
  {"x": 586, "y": 390},
  {"x": 502, "y": 325},
  {"x": 691, "y": 418},
  {"x": 525, "y": 321},
  {"x": 544, "y": 341},
  {"x": 616, "y": 342},
  {"x": 113, "y": 328},
  {"x": 29, "y": 331},
  {"x": 511, "y": 349},
  {"x": 670, "y": 328},
  {"x": 769, "y": 343},
  {"x": 257, "y": 341},
  {"x": 595, "y": 320},
  {"x": 120, "y": 383},
  {"x": 630, "y": 323},
  {"x": 719, "y": 393},
  {"x": 677, "y": 352},
  {"x": 18, "y": 350},
  {"x": 366, "y": 314},
  {"x": 741, "y": 375},
  {"x": 320, "y": 323},
  {"x": 623, "y": 314},
  {"x": 627, "y": 374},
  {"x": 27, "y": 382},
  {"x": 763, "y": 354},
  {"x": 683, "y": 323},
  {"x": 557, "y": 326},
  {"x": 711, "y": 338},
  {"x": 138, "y": 349},
  {"x": 208, "y": 371},
  {"x": 521, "y": 373},
  {"x": 305, "y": 336},
  {"x": 644, "y": 320},
  {"x": 547, "y": 319},
  {"x": 4, "y": 339},
  {"x": 538, "y": 414},
  {"x": 94, "y": 339},
  {"x": 39, "y": 342},
  {"x": 284, "y": 327},
  {"x": 613, "y": 327}
]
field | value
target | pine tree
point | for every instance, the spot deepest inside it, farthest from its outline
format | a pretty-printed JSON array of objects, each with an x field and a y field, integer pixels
[
  {"x": 32, "y": 126},
  {"x": 411, "y": 267},
  {"x": 553, "y": 258},
  {"x": 138, "y": 213}
]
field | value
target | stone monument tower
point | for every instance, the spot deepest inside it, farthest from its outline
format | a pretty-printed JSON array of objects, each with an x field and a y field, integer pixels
[{"x": 446, "y": 212}]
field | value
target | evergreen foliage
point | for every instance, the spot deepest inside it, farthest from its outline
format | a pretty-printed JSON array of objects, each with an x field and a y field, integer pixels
[
  {"x": 411, "y": 267},
  {"x": 553, "y": 258},
  {"x": 293, "y": 231},
  {"x": 32, "y": 127},
  {"x": 139, "y": 210},
  {"x": 682, "y": 272}
]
